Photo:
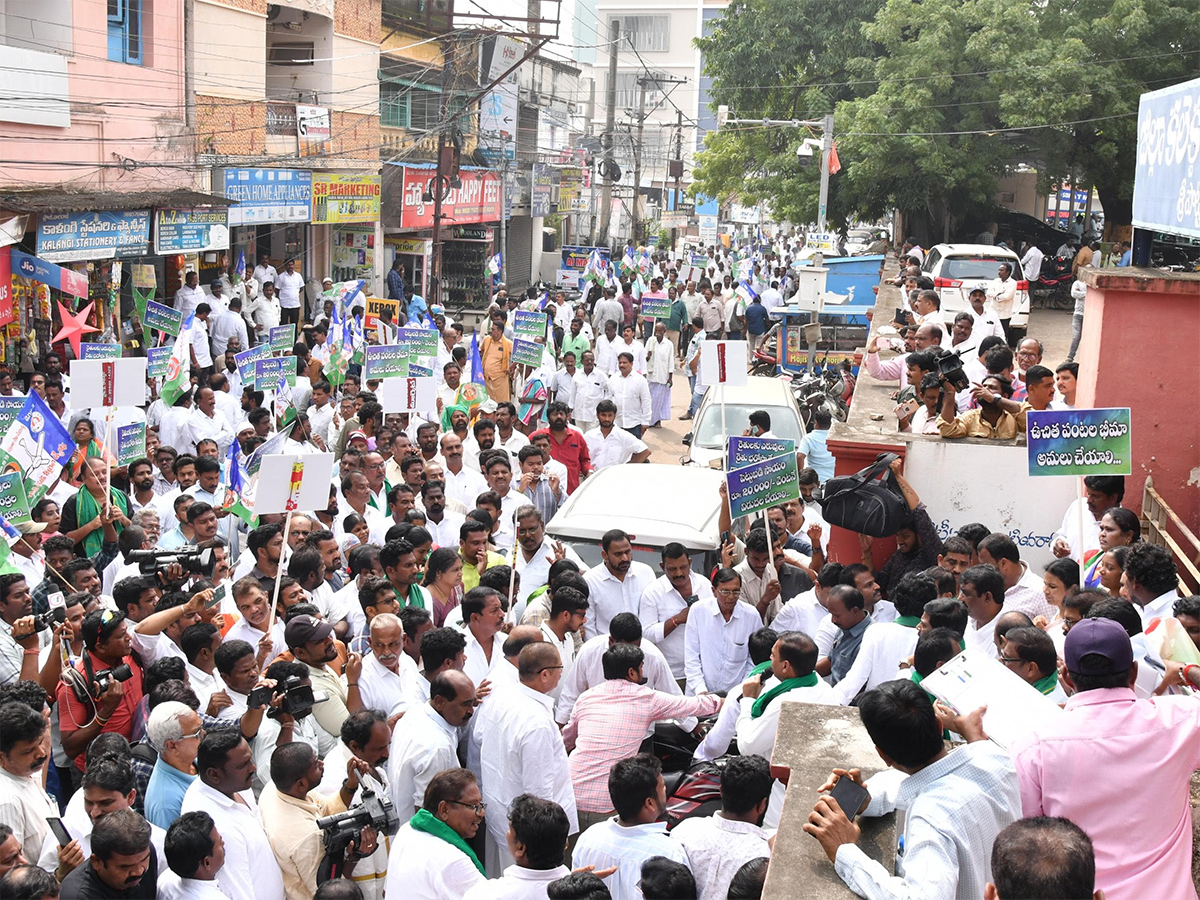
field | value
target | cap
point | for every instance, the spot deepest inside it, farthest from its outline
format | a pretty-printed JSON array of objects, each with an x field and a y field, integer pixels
[
  {"x": 355, "y": 434},
  {"x": 303, "y": 629},
  {"x": 1105, "y": 641},
  {"x": 325, "y": 279},
  {"x": 217, "y": 282},
  {"x": 31, "y": 527}
]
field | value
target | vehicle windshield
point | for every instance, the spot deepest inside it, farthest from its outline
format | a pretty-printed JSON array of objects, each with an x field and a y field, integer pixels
[
  {"x": 975, "y": 268},
  {"x": 858, "y": 234},
  {"x": 708, "y": 431}
]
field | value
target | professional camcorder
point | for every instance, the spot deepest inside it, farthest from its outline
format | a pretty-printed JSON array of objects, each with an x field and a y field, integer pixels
[
  {"x": 950, "y": 369},
  {"x": 340, "y": 829},
  {"x": 193, "y": 561},
  {"x": 298, "y": 698}
]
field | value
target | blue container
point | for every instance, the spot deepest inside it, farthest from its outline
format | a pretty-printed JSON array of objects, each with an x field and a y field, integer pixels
[{"x": 845, "y": 272}]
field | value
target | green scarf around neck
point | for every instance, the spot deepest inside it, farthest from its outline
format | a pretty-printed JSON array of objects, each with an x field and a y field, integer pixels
[
  {"x": 427, "y": 822},
  {"x": 789, "y": 684},
  {"x": 1048, "y": 684},
  {"x": 414, "y": 598},
  {"x": 760, "y": 668},
  {"x": 87, "y": 509},
  {"x": 908, "y": 621}
]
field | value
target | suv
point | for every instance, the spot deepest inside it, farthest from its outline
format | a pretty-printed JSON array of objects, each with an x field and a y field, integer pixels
[{"x": 957, "y": 269}]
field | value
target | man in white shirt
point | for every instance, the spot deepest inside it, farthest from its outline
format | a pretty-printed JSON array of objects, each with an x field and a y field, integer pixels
[
  {"x": 289, "y": 283},
  {"x": 535, "y": 555},
  {"x": 264, "y": 271},
  {"x": 388, "y": 672},
  {"x": 462, "y": 484},
  {"x": 1150, "y": 581},
  {"x": 427, "y": 743},
  {"x": 631, "y": 394},
  {"x": 606, "y": 349},
  {"x": 228, "y": 325},
  {"x": 522, "y": 750},
  {"x": 590, "y": 387},
  {"x": 24, "y": 803},
  {"x": 188, "y": 297},
  {"x": 537, "y": 839},
  {"x": 667, "y": 603},
  {"x": 1031, "y": 263},
  {"x": 1002, "y": 292},
  {"x": 483, "y": 618},
  {"x": 226, "y": 769},
  {"x": 716, "y": 653},
  {"x": 206, "y": 422},
  {"x": 615, "y": 586},
  {"x": 981, "y": 588},
  {"x": 1023, "y": 591},
  {"x": 720, "y": 844},
  {"x": 612, "y": 446}
]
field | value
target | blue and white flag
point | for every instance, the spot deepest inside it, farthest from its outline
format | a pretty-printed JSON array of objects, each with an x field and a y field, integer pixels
[
  {"x": 493, "y": 266},
  {"x": 37, "y": 444}
]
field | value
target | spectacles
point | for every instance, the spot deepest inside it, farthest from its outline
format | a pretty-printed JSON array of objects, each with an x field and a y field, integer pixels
[
  {"x": 478, "y": 808},
  {"x": 729, "y": 593},
  {"x": 199, "y": 733},
  {"x": 1008, "y": 659},
  {"x": 548, "y": 669}
]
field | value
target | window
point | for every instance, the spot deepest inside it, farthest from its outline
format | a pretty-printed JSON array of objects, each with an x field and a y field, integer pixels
[
  {"x": 409, "y": 96},
  {"x": 628, "y": 89},
  {"x": 125, "y": 31},
  {"x": 290, "y": 54},
  {"x": 646, "y": 33}
]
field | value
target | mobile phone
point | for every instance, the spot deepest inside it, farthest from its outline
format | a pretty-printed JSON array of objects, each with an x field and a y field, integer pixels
[
  {"x": 219, "y": 594},
  {"x": 766, "y": 673},
  {"x": 260, "y": 696},
  {"x": 849, "y": 795},
  {"x": 60, "y": 831},
  {"x": 724, "y": 538},
  {"x": 901, "y": 318}
]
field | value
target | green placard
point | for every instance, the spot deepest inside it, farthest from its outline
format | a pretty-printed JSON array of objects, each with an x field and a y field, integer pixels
[
  {"x": 418, "y": 341},
  {"x": 526, "y": 353},
  {"x": 761, "y": 485},
  {"x": 14, "y": 504},
  {"x": 283, "y": 338},
  {"x": 99, "y": 351},
  {"x": 157, "y": 359},
  {"x": 528, "y": 324},
  {"x": 163, "y": 318},
  {"x": 131, "y": 443},
  {"x": 1080, "y": 441},
  {"x": 385, "y": 361},
  {"x": 656, "y": 307},
  {"x": 270, "y": 374}
]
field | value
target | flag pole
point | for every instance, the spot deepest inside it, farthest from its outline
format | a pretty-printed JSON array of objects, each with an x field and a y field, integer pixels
[
  {"x": 287, "y": 528},
  {"x": 108, "y": 457}
]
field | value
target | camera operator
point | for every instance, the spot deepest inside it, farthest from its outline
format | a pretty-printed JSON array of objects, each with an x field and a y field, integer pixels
[
  {"x": 109, "y": 680},
  {"x": 278, "y": 726},
  {"x": 20, "y": 637},
  {"x": 158, "y": 634},
  {"x": 289, "y": 808}
]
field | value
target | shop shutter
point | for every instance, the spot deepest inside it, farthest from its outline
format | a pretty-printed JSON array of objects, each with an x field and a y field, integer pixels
[{"x": 520, "y": 253}]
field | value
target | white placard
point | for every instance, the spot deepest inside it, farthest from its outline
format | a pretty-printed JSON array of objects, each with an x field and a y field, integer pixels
[
  {"x": 973, "y": 679},
  {"x": 398, "y": 395},
  {"x": 124, "y": 381},
  {"x": 567, "y": 278},
  {"x": 275, "y": 482},
  {"x": 723, "y": 362}
]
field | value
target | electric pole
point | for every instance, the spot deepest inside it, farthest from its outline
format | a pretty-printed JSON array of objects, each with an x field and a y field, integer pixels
[
  {"x": 636, "y": 230},
  {"x": 439, "y": 178},
  {"x": 606, "y": 139}
]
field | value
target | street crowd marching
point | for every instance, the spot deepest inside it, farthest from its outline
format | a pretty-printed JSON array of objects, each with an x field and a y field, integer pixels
[{"x": 188, "y": 688}]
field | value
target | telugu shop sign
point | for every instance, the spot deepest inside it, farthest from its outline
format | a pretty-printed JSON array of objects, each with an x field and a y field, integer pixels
[{"x": 476, "y": 199}]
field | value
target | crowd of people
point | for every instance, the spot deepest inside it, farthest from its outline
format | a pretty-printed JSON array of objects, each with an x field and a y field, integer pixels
[{"x": 226, "y": 718}]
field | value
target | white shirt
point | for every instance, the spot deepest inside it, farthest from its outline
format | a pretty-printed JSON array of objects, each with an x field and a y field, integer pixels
[
  {"x": 1069, "y": 530},
  {"x": 24, "y": 806},
  {"x": 1002, "y": 294},
  {"x": 716, "y": 848},
  {"x": 511, "y": 445},
  {"x": 517, "y": 883},
  {"x": 608, "y": 596},
  {"x": 1031, "y": 263},
  {"x": 803, "y": 612},
  {"x": 199, "y": 338},
  {"x": 424, "y": 867},
  {"x": 590, "y": 389},
  {"x": 228, "y": 325},
  {"x": 588, "y": 671},
  {"x": 535, "y": 572},
  {"x": 250, "y": 871},
  {"x": 616, "y": 448},
  {"x": 173, "y": 430},
  {"x": 381, "y": 688},
  {"x": 1028, "y": 595},
  {"x": 477, "y": 666},
  {"x": 263, "y": 274},
  {"x": 445, "y": 532},
  {"x": 203, "y": 684},
  {"x": 188, "y": 298},
  {"x": 716, "y": 653},
  {"x": 631, "y": 393},
  {"x": 884, "y": 645},
  {"x": 660, "y": 601},
  {"x": 288, "y": 288},
  {"x": 522, "y": 752},
  {"x": 982, "y": 640},
  {"x": 244, "y": 631},
  {"x": 1160, "y": 607},
  {"x": 609, "y": 843},
  {"x": 423, "y": 744},
  {"x": 172, "y": 887},
  {"x": 464, "y": 487},
  {"x": 214, "y": 428},
  {"x": 637, "y": 350}
]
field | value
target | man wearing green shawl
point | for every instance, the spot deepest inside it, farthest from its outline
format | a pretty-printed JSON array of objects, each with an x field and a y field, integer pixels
[
  {"x": 793, "y": 664},
  {"x": 84, "y": 519},
  {"x": 430, "y": 858},
  {"x": 1030, "y": 653}
]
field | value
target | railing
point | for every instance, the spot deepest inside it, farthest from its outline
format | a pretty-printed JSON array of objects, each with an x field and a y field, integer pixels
[{"x": 1156, "y": 516}]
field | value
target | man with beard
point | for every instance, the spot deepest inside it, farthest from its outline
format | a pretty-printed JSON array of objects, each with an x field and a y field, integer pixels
[
  {"x": 666, "y": 604},
  {"x": 537, "y": 554},
  {"x": 141, "y": 485},
  {"x": 462, "y": 483},
  {"x": 567, "y": 445},
  {"x": 123, "y": 862},
  {"x": 483, "y": 437},
  {"x": 311, "y": 642}
]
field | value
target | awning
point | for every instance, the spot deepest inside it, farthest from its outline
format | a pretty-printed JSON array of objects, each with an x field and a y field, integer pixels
[{"x": 57, "y": 200}]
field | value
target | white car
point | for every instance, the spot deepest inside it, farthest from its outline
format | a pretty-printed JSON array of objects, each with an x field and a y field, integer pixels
[
  {"x": 860, "y": 240},
  {"x": 759, "y": 392},
  {"x": 957, "y": 269}
]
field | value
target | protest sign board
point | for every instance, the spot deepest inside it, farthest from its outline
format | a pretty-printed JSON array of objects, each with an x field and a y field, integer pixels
[
  {"x": 14, "y": 505},
  {"x": 10, "y": 408},
  {"x": 293, "y": 481},
  {"x": 1079, "y": 441},
  {"x": 415, "y": 371},
  {"x": 247, "y": 358},
  {"x": 131, "y": 442},
  {"x": 762, "y": 485},
  {"x": 723, "y": 362},
  {"x": 399, "y": 395},
  {"x": 157, "y": 359},
  {"x": 274, "y": 444},
  {"x": 162, "y": 318},
  {"x": 282, "y": 338},
  {"x": 108, "y": 382},
  {"x": 656, "y": 306},
  {"x": 270, "y": 373},
  {"x": 529, "y": 324},
  {"x": 526, "y": 353},
  {"x": 99, "y": 351},
  {"x": 746, "y": 450},
  {"x": 418, "y": 341},
  {"x": 385, "y": 361}
]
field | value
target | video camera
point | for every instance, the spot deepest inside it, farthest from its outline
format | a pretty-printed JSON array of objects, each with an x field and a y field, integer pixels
[
  {"x": 298, "y": 698},
  {"x": 193, "y": 560},
  {"x": 50, "y": 618},
  {"x": 950, "y": 369},
  {"x": 340, "y": 829}
]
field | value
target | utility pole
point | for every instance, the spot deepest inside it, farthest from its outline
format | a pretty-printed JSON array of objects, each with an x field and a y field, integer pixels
[
  {"x": 826, "y": 153},
  {"x": 606, "y": 139},
  {"x": 677, "y": 171},
  {"x": 443, "y": 115},
  {"x": 636, "y": 230}
]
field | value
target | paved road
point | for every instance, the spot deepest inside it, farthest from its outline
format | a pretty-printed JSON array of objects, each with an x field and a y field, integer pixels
[{"x": 1051, "y": 327}]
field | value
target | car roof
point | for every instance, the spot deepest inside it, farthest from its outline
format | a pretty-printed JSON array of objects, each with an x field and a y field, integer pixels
[
  {"x": 655, "y": 503},
  {"x": 972, "y": 250},
  {"x": 757, "y": 389}
]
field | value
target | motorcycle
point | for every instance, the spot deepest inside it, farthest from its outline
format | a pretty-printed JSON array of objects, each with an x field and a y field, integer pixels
[
  {"x": 1052, "y": 290},
  {"x": 820, "y": 387}
]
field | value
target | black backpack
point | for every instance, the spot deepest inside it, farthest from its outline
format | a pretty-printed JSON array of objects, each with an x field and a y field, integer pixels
[{"x": 865, "y": 502}]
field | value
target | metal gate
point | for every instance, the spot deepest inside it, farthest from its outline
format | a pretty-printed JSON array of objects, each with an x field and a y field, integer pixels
[{"x": 520, "y": 253}]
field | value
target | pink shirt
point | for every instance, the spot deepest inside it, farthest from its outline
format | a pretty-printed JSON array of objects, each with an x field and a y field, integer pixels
[
  {"x": 1118, "y": 767},
  {"x": 893, "y": 369}
]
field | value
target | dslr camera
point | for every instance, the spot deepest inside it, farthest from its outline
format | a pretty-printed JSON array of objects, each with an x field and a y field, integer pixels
[
  {"x": 193, "y": 561},
  {"x": 102, "y": 679}
]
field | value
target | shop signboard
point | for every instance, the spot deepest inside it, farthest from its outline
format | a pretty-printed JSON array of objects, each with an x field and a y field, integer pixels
[
  {"x": 162, "y": 318},
  {"x": 386, "y": 361},
  {"x": 190, "y": 230},
  {"x": 476, "y": 199},
  {"x": 26, "y": 265},
  {"x": 66, "y": 237},
  {"x": 375, "y": 307},
  {"x": 708, "y": 230},
  {"x": 266, "y": 195},
  {"x": 1166, "y": 181},
  {"x": 7, "y": 311},
  {"x": 577, "y": 257},
  {"x": 312, "y": 128},
  {"x": 543, "y": 187},
  {"x": 824, "y": 242},
  {"x": 340, "y": 198}
]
